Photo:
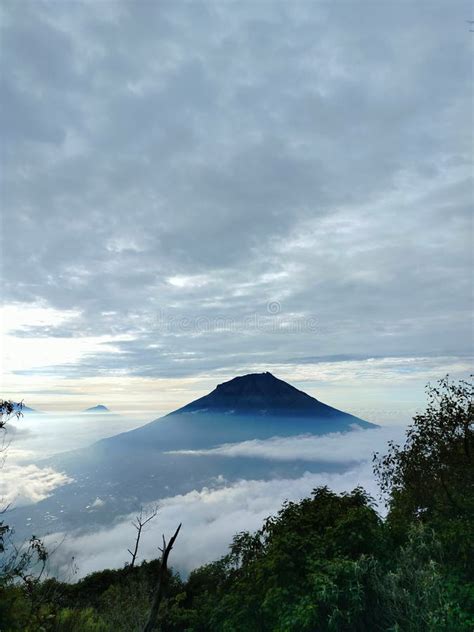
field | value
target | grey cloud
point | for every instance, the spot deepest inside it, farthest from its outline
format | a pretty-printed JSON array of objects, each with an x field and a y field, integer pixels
[{"x": 327, "y": 142}]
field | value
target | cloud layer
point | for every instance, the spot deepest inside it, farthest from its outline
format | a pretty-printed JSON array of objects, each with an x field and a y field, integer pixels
[
  {"x": 27, "y": 484},
  {"x": 349, "y": 447},
  {"x": 212, "y": 515},
  {"x": 313, "y": 156}
]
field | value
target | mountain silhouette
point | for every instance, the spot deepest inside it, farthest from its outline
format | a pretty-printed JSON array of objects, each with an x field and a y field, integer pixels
[
  {"x": 258, "y": 394},
  {"x": 100, "y": 408}
]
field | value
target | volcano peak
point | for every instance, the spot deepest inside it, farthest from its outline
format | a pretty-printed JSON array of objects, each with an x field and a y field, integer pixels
[{"x": 255, "y": 393}]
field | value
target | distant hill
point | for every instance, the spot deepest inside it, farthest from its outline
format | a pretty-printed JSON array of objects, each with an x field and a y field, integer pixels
[{"x": 100, "y": 408}]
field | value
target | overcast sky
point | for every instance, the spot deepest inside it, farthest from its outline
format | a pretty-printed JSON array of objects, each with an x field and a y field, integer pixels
[{"x": 195, "y": 190}]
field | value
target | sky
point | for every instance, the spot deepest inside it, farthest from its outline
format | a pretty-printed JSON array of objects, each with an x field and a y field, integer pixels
[{"x": 196, "y": 190}]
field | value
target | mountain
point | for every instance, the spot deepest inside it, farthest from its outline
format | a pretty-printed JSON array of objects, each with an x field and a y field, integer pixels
[
  {"x": 100, "y": 408},
  {"x": 259, "y": 394},
  {"x": 253, "y": 406},
  {"x": 173, "y": 454}
]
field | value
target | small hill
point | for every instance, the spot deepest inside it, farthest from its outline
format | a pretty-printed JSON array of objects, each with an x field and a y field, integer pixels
[{"x": 100, "y": 408}]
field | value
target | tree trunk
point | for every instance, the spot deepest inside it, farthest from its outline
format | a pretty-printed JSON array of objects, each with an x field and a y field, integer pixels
[{"x": 161, "y": 584}]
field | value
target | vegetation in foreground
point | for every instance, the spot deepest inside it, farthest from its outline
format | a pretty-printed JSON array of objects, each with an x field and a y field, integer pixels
[{"x": 327, "y": 563}]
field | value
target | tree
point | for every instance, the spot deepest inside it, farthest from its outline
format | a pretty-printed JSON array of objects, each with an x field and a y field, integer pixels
[
  {"x": 9, "y": 409},
  {"x": 430, "y": 482},
  {"x": 432, "y": 475},
  {"x": 143, "y": 518},
  {"x": 161, "y": 583},
  {"x": 304, "y": 570}
]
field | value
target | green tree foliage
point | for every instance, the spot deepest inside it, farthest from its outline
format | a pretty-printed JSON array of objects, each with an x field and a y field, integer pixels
[
  {"x": 301, "y": 570},
  {"x": 430, "y": 481},
  {"x": 322, "y": 565},
  {"x": 432, "y": 475}
]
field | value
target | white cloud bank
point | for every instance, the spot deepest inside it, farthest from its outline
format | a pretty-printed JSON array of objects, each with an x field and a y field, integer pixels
[
  {"x": 27, "y": 484},
  {"x": 336, "y": 447}
]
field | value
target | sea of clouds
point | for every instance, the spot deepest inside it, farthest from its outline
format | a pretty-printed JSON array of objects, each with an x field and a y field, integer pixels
[{"x": 211, "y": 516}]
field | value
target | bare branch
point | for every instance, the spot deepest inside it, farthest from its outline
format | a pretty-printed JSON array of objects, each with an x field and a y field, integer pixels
[
  {"x": 161, "y": 584},
  {"x": 139, "y": 523}
]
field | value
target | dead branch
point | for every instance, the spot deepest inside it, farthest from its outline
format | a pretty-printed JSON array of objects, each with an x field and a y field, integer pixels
[
  {"x": 140, "y": 521},
  {"x": 161, "y": 584}
]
